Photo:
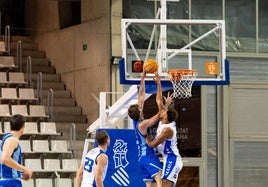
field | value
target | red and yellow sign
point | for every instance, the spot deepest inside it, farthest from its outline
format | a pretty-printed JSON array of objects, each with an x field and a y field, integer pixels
[{"x": 211, "y": 68}]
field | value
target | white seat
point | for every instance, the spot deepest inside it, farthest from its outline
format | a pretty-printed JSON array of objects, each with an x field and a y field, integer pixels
[
  {"x": 40, "y": 146},
  {"x": 70, "y": 165},
  {"x": 2, "y": 47},
  {"x": 31, "y": 128},
  {"x": 7, "y": 62},
  {"x": 37, "y": 111},
  {"x": 48, "y": 128},
  {"x": 59, "y": 146},
  {"x": 44, "y": 182},
  {"x": 34, "y": 164},
  {"x": 9, "y": 93},
  {"x": 29, "y": 183},
  {"x": 19, "y": 109},
  {"x": 66, "y": 182},
  {"x": 6, "y": 126},
  {"x": 16, "y": 78},
  {"x": 4, "y": 108},
  {"x": 3, "y": 78},
  {"x": 27, "y": 94},
  {"x": 25, "y": 146},
  {"x": 52, "y": 164}
]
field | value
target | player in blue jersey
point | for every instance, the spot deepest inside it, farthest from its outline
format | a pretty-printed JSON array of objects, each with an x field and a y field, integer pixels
[
  {"x": 93, "y": 171},
  {"x": 166, "y": 143},
  {"x": 149, "y": 162},
  {"x": 11, "y": 168}
]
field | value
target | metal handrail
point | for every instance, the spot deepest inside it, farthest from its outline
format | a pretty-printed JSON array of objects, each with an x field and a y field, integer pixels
[
  {"x": 7, "y": 39},
  {"x": 50, "y": 104},
  {"x": 29, "y": 71},
  {"x": 73, "y": 138},
  {"x": 40, "y": 87},
  {"x": 19, "y": 55}
]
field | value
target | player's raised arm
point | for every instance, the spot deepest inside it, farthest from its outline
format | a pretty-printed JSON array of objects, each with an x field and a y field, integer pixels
[{"x": 141, "y": 94}]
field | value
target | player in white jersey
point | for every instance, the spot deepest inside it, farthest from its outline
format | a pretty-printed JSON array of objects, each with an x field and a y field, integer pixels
[
  {"x": 93, "y": 171},
  {"x": 166, "y": 143}
]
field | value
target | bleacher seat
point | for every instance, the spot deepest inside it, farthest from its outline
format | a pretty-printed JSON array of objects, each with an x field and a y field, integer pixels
[
  {"x": 64, "y": 182},
  {"x": 33, "y": 163},
  {"x": 27, "y": 94},
  {"x": 3, "y": 78},
  {"x": 25, "y": 146},
  {"x": 44, "y": 182},
  {"x": 48, "y": 128},
  {"x": 52, "y": 164},
  {"x": 2, "y": 47},
  {"x": 31, "y": 128},
  {"x": 7, "y": 62},
  {"x": 19, "y": 109},
  {"x": 4, "y": 108},
  {"x": 6, "y": 127},
  {"x": 40, "y": 146},
  {"x": 37, "y": 111},
  {"x": 9, "y": 94},
  {"x": 29, "y": 183},
  {"x": 59, "y": 146},
  {"x": 70, "y": 165}
]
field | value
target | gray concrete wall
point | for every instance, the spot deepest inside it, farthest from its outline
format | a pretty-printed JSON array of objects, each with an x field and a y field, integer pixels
[{"x": 85, "y": 71}]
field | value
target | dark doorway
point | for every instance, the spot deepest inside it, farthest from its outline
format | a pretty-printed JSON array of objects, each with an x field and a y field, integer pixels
[
  {"x": 188, "y": 123},
  {"x": 12, "y": 14}
]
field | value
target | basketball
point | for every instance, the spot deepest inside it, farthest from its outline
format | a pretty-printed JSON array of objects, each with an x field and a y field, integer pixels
[{"x": 150, "y": 66}]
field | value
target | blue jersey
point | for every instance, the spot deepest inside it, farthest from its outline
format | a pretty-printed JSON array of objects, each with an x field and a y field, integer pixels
[
  {"x": 5, "y": 171},
  {"x": 143, "y": 148}
]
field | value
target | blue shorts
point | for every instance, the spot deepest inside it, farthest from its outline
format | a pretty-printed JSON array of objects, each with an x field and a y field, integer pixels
[
  {"x": 10, "y": 183},
  {"x": 150, "y": 166}
]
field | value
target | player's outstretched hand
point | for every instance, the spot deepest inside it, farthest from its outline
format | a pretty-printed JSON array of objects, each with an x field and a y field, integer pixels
[
  {"x": 157, "y": 79},
  {"x": 168, "y": 99}
]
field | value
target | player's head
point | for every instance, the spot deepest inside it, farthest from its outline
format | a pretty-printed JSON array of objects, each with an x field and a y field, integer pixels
[
  {"x": 102, "y": 138},
  {"x": 134, "y": 112},
  {"x": 17, "y": 122},
  {"x": 172, "y": 114}
]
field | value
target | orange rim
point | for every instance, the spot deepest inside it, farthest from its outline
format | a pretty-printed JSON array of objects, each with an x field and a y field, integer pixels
[{"x": 182, "y": 72}]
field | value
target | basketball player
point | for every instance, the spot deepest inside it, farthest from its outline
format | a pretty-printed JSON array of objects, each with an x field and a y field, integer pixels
[
  {"x": 149, "y": 162},
  {"x": 166, "y": 143},
  {"x": 11, "y": 168},
  {"x": 92, "y": 173}
]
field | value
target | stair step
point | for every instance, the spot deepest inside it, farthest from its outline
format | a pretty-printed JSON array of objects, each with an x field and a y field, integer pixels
[
  {"x": 61, "y": 102},
  {"x": 35, "y": 61},
  {"x": 47, "y": 77},
  {"x": 31, "y": 53},
  {"x": 57, "y": 93},
  {"x": 70, "y": 118},
  {"x": 43, "y": 69},
  {"x": 67, "y": 110},
  {"x": 51, "y": 85},
  {"x": 25, "y": 45}
]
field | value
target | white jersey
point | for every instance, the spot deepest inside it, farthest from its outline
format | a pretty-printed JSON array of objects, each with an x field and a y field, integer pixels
[
  {"x": 172, "y": 163},
  {"x": 169, "y": 146},
  {"x": 88, "y": 179}
]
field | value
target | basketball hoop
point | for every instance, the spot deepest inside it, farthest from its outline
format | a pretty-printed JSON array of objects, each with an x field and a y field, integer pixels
[{"x": 182, "y": 81}]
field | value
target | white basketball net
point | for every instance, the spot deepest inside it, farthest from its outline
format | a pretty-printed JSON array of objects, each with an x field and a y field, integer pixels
[{"x": 182, "y": 82}]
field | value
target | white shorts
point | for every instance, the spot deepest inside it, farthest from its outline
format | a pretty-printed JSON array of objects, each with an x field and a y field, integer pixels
[{"x": 172, "y": 167}]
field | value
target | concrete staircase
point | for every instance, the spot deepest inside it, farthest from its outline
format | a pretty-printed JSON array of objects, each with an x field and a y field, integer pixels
[{"x": 65, "y": 108}]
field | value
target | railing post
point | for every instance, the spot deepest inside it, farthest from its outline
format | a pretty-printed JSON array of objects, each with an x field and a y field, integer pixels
[
  {"x": 73, "y": 138},
  {"x": 29, "y": 71},
  {"x": 50, "y": 104},
  {"x": 40, "y": 87},
  {"x": 19, "y": 55},
  {"x": 7, "y": 39}
]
